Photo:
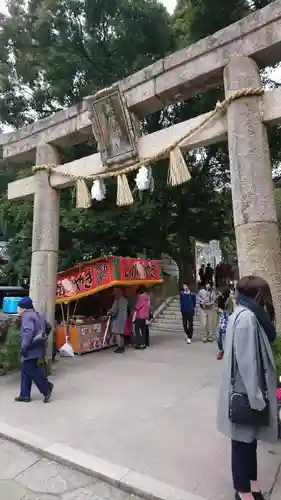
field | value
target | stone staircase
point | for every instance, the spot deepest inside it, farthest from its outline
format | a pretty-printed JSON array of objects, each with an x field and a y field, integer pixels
[{"x": 170, "y": 319}]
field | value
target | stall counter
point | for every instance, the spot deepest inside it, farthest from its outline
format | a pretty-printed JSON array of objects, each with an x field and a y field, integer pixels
[{"x": 85, "y": 337}]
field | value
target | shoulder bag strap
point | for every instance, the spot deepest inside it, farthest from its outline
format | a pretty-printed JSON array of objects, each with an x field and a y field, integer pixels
[
  {"x": 261, "y": 365},
  {"x": 234, "y": 364}
]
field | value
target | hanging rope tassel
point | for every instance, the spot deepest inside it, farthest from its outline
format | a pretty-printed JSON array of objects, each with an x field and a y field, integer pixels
[
  {"x": 178, "y": 170},
  {"x": 83, "y": 197},
  {"x": 124, "y": 193}
]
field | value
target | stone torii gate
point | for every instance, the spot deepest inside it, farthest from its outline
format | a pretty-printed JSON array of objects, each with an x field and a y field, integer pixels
[{"x": 232, "y": 56}]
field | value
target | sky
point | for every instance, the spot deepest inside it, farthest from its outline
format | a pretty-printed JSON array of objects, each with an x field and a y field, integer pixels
[
  {"x": 3, "y": 5},
  {"x": 170, "y": 4}
]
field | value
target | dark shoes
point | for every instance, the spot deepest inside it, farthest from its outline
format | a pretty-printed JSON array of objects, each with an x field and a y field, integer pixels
[
  {"x": 258, "y": 495},
  {"x": 140, "y": 347},
  {"x": 119, "y": 350},
  {"x": 20, "y": 399},
  {"x": 48, "y": 396}
]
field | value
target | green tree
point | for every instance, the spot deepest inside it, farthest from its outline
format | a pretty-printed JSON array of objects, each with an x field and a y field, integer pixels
[
  {"x": 52, "y": 54},
  {"x": 196, "y": 19},
  {"x": 192, "y": 21}
]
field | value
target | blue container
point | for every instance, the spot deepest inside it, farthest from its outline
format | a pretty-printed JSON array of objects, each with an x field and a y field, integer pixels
[{"x": 10, "y": 305}]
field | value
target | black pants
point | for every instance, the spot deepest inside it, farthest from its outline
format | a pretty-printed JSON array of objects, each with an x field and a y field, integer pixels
[
  {"x": 30, "y": 372},
  {"x": 146, "y": 336},
  {"x": 140, "y": 332},
  {"x": 187, "y": 321},
  {"x": 244, "y": 465}
]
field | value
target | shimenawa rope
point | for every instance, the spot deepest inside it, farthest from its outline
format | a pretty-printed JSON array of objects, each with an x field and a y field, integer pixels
[{"x": 174, "y": 177}]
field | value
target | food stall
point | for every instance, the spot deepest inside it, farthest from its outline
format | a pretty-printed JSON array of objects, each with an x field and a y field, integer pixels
[{"x": 84, "y": 295}]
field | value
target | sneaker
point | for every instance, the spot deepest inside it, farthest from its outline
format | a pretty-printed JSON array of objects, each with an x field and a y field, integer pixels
[
  {"x": 189, "y": 341},
  {"x": 20, "y": 399},
  {"x": 48, "y": 396},
  {"x": 209, "y": 339},
  {"x": 119, "y": 350},
  {"x": 205, "y": 340},
  {"x": 220, "y": 356}
]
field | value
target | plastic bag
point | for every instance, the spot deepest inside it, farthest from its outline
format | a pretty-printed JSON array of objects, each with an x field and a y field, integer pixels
[{"x": 66, "y": 351}]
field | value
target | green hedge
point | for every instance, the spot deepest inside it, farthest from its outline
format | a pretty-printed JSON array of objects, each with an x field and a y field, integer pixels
[{"x": 10, "y": 350}]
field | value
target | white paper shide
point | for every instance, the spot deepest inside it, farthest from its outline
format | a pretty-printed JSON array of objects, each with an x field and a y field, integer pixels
[
  {"x": 98, "y": 191},
  {"x": 144, "y": 179}
]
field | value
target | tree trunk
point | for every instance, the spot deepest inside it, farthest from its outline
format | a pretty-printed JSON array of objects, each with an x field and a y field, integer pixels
[
  {"x": 186, "y": 264},
  {"x": 186, "y": 272}
]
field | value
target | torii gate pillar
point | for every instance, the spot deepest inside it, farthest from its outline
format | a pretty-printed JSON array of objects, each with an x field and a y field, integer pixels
[
  {"x": 45, "y": 239},
  {"x": 255, "y": 220}
]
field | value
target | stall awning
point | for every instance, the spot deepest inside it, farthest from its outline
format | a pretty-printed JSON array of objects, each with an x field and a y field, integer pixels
[{"x": 96, "y": 275}]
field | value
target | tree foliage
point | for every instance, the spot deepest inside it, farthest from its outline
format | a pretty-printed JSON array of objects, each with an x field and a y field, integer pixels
[
  {"x": 196, "y": 19},
  {"x": 52, "y": 54}
]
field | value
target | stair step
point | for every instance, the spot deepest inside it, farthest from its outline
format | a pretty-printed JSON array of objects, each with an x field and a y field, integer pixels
[
  {"x": 168, "y": 316},
  {"x": 170, "y": 319},
  {"x": 167, "y": 329},
  {"x": 162, "y": 326},
  {"x": 173, "y": 328},
  {"x": 174, "y": 318}
]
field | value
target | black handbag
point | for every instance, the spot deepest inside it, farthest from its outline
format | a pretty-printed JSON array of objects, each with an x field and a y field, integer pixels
[
  {"x": 240, "y": 411},
  {"x": 41, "y": 336}
]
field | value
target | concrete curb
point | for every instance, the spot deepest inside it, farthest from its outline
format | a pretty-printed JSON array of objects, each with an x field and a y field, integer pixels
[{"x": 126, "y": 479}]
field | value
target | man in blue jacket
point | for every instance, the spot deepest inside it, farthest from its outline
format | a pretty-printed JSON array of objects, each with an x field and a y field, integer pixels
[
  {"x": 188, "y": 304},
  {"x": 32, "y": 325}
]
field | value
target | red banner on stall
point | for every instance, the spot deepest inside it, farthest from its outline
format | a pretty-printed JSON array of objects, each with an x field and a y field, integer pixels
[
  {"x": 139, "y": 269},
  {"x": 91, "y": 277}
]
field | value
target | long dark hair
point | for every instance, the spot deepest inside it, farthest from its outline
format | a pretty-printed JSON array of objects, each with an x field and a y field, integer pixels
[
  {"x": 223, "y": 298},
  {"x": 257, "y": 288}
]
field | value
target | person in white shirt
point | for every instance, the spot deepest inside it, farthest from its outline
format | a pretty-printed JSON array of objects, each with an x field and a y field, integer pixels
[{"x": 207, "y": 298}]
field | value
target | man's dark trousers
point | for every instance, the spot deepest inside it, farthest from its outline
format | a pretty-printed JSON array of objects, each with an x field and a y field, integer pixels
[
  {"x": 187, "y": 321},
  {"x": 30, "y": 372}
]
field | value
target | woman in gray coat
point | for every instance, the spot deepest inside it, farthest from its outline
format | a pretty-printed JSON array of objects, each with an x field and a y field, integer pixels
[
  {"x": 250, "y": 332},
  {"x": 119, "y": 314}
]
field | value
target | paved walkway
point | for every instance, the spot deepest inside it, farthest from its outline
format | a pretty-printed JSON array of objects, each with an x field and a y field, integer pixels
[
  {"x": 152, "y": 411},
  {"x": 25, "y": 476}
]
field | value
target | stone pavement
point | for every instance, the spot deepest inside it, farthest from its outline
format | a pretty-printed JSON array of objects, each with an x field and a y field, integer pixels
[
  {"x": 26, "y": 476},
  {"x": 151, "y": 411}
]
